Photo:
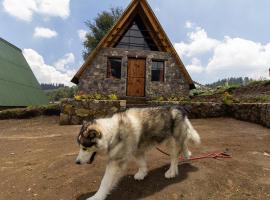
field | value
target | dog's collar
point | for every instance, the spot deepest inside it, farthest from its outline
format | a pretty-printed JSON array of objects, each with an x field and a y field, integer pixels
[{"x": 87, "y": 149}]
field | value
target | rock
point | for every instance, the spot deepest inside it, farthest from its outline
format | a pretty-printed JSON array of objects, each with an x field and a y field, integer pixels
[
  {"x": 81, "y": 112},
  {"x": 113, "y": 109},
  {"x": 75, "y": 120},
  {"x": 64, "y": 119},
  {"x": 68, "y": 109}
]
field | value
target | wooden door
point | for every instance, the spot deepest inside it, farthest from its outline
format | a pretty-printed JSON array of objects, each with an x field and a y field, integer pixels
[{"x": 136, "y": 77}]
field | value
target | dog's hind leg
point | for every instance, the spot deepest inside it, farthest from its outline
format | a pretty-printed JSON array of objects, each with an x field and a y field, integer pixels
[
  {"x": 113, "y": 173},
  {"x": 174, "y": 148},
  {"x": 186, "y": 152},
  {"x": 142, "y": 172}
]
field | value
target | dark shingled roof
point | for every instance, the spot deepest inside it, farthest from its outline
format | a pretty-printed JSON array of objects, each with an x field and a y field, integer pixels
[{"x": 18, "y": 85}]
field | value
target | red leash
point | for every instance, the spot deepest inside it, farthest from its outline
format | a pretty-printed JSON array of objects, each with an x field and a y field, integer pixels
[{"x": 215, "y": 155}]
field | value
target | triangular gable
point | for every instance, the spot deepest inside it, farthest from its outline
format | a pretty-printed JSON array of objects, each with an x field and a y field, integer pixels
[
  {"x": 156, "y": 32},
  {"x": 137, "y": 37}
]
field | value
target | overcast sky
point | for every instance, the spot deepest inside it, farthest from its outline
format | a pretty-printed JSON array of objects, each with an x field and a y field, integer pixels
[{"x": 215, "y": 38}]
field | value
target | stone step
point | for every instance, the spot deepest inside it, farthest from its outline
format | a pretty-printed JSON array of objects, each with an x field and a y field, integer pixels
[
  {"x": 137, "y": 105},
  {"x": 136, "y": 100}
]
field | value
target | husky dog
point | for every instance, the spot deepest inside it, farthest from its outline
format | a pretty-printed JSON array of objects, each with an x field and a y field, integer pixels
[{"x": 129, "y": 135}]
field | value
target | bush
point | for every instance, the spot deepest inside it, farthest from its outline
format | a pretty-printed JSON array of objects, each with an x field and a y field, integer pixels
[
  {"x": 113, "y": 97},
  {"x": 172, "y": 98},
  {"x": 159, "y": 98},
  {"x": 227, "y": 98},
  {"x": 96, "y": 96}
]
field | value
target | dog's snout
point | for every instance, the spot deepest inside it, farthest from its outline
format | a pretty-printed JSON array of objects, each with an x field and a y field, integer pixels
[{"x": 78, "y": 162}]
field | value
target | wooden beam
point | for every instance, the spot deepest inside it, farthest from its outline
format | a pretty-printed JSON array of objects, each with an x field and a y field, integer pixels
[
  {"x": 154, "y": 36},
  {"x": 121, "y": 31}
]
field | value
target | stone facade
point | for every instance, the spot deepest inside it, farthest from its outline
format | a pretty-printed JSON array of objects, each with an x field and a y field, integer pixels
[{"x": 94, "y": 79}]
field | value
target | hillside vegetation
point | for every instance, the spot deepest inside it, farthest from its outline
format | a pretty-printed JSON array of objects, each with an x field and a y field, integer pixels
[
  {"x": 60, "y": 93},
  {"x": 230, "y": 81},
  {"x": 253, "y": 92}
]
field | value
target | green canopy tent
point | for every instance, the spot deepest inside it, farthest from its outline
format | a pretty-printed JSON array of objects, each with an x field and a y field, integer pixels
[{"x": 18, "y": 85}]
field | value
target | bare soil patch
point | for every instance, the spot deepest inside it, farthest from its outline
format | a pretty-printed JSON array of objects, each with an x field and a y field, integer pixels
[{"x": 37, "y": 162}]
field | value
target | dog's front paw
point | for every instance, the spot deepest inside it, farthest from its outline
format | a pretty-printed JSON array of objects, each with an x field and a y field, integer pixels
[
  {"x": 140, "y": 175},
  {"x": 171, "y": 173}
]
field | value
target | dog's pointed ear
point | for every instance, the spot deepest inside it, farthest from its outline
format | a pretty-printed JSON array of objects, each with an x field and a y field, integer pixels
[{"x": 84, "y": 123}]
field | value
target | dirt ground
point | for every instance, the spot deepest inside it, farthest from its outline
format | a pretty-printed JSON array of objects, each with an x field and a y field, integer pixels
[{"x": 37, "y": 162}]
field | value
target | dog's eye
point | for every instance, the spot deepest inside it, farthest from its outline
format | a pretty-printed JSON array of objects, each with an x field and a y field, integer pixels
[{"x": 84, "y": 149}]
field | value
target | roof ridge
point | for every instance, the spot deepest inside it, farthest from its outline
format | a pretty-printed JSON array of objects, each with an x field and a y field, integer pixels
[{"x": 11, "y": 45}]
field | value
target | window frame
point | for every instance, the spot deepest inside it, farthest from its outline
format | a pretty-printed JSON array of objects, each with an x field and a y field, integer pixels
[
  {"x": 164, "y": 64},
  {"x": 109, "y": 67}
]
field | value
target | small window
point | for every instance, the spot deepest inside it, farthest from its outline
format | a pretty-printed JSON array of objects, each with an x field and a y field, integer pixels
[
  {"x": 114, "y": 68},
  {"x": 157, "y": 71}
]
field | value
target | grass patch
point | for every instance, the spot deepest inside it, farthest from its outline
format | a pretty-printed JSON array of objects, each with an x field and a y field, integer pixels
[{"x": 257, "y": 99}]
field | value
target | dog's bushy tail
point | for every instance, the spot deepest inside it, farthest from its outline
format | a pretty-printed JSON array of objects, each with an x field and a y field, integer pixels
[{"x": 192, "y": 134}]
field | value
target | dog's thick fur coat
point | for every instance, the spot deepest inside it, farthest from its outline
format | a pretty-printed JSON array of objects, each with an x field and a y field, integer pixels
[{"x": 129, "y": 135}]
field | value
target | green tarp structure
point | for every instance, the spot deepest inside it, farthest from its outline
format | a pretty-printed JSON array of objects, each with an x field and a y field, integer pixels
[{"x": 18, "y": 85}]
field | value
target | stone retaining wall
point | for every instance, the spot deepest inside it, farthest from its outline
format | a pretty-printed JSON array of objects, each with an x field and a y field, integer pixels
[
  {"x": 253, "y": 112},
  {"x": 74, "y": 112},
  {"x": 196, "y": 110},
  {"x": 30, "y": 112}
]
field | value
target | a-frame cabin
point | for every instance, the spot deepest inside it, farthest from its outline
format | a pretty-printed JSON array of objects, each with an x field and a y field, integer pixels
[{"x": 134, "y": 59}]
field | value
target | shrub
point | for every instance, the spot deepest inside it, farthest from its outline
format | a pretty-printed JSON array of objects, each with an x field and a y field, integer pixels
[
  {"x": 227, "y": 98},
  {"x": 98, "y": 96},
  {"x": 113, "y": 97},
  {"x": 159, "y": 98},
  {"x": 172, "y": 98},
  {"x": 231, "y": 88}
]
